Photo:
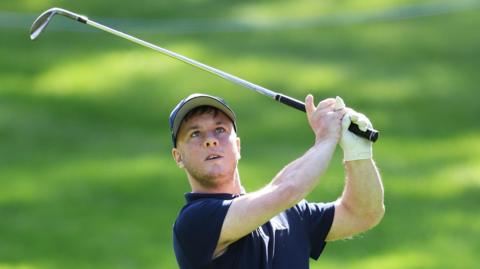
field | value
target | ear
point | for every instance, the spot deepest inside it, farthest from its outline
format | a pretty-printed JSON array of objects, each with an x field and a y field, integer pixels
[
  {"x": 238, "y": 149},
  {"x": 177, "y": 157}
]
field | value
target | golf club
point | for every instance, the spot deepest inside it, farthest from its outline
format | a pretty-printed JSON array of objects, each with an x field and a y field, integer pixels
[{"x": 42, "y": 21}]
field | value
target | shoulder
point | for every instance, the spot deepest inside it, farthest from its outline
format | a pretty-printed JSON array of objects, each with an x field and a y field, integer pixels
[
  {"x": 197, "y": 229},
  {"x": 201, "y": 211},
  {"x": 307, "y": 211}
]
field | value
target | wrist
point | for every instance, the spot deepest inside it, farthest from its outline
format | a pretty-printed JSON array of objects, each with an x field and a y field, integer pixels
[
  {"x": 357, "y": 163},
  {"x": 357, "y": 154},
  {"x": 326, "y": 141}
]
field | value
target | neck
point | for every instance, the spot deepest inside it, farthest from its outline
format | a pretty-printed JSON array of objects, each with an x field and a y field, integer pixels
[{"x": 231, "y": 185}]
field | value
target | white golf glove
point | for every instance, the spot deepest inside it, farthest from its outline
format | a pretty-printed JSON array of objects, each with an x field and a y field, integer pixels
[{"x": 354, "y": 147}]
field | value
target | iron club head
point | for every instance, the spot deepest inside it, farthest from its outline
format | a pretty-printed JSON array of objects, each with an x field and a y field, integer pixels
[{"x": 42, "y": 21}]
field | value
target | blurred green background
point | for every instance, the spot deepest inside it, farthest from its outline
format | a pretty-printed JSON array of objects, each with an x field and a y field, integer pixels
[{"x": 86, "y": 175}]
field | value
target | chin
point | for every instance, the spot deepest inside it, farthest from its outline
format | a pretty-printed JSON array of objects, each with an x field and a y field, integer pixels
[
  {"x": 212, "y": 178},
  {"x": 215, "y": 177},
  {"x": 210, "y": 181},
  {"x": 212, "y": 175}
]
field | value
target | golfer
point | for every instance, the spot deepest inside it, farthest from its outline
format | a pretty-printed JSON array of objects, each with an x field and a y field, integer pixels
[{"x": 223, "y": 226}]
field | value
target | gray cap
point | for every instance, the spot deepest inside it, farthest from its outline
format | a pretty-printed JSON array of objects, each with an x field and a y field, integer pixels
[{"x": 193, "y": 101}]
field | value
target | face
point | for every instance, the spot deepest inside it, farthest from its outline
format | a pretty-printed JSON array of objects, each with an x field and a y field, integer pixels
[{"x": 208, "y": 148}]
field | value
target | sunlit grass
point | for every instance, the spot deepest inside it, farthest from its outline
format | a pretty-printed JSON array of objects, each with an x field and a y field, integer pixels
[
  {"x": 108, "y": 74},
  {"x": 100, "y": 74},
  {"x": 27, "y": 5},
  {"x": 18, "y": 266},
  {"x": 311, "y": 8},
  {"x": 398, "y": 260},
  {"x": 26, "y": 184}
]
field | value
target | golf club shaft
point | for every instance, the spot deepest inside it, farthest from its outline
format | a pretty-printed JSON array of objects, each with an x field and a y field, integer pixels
[
  {"x": 369, "y": 134},
  {"x": 177, "y": 56}
]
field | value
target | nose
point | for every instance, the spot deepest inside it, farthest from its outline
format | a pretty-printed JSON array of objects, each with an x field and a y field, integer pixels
[{"x": 211, "y": 142}]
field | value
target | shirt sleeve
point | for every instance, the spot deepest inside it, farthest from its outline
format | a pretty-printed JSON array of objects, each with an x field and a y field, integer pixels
[
  {"x": 197, "y": 230},
  {"x": 319, "y": 217}
]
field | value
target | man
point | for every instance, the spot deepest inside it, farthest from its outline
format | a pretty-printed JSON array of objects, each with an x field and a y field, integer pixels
[{"x": 222, "y": 226}]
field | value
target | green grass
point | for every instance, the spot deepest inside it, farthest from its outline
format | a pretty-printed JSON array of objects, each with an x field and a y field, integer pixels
[{"x": 86, "y": 177}]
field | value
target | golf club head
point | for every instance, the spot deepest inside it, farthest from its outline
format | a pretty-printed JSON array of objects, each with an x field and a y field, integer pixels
[{"x": 42, "y": 21}]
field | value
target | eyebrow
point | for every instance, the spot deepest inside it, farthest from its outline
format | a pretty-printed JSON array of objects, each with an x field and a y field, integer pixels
[
  {"x": 220, "y": 122},
  {"x": 192, "y": 128}
]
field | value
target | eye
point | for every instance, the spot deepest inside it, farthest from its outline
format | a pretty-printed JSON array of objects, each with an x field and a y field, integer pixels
[
  {"x": 195, "y": 134},
  {"x": 220, "y": 130}
]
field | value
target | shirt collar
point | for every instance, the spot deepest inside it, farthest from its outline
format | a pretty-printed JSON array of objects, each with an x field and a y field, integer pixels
[{"x": 192, "y": 196}]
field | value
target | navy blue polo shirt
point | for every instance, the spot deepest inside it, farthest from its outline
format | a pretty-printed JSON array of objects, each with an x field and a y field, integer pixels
[{"x": 287, "y": 241}]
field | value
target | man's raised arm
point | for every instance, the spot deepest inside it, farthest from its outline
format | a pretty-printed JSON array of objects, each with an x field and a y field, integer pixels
[
  {"x": 361, "y": 205},
  {"x": 292, "y": 183}
]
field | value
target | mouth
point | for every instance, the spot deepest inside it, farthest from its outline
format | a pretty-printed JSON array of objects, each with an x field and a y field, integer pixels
[{"x": 213, "y": 157}]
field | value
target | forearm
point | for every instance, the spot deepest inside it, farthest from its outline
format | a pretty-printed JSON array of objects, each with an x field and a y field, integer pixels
[
  {"x": 301, "y": 176},
  {"x": 289, "y": 186},
  {"x": 363, "y": 192}
]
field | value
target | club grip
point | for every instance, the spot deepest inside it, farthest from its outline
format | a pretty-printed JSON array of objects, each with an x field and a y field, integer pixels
[
  {"x": 289, "y": 101},
  {"x": 370, "y": 134}
]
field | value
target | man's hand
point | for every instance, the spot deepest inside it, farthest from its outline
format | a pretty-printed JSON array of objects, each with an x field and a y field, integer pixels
[
  {"x": 355, "y": 147},
  {"x": 324, "y": 119}
]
